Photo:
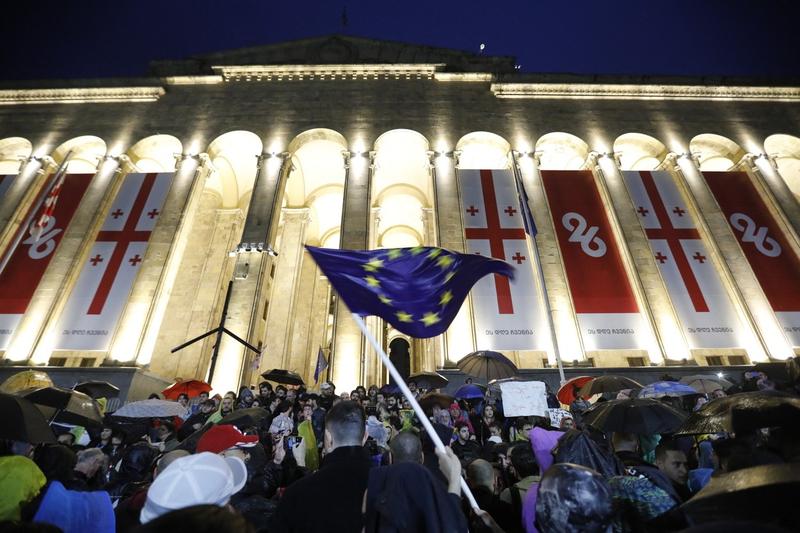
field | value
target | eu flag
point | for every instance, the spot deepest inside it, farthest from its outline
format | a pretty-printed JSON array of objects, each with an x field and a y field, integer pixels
[{"x": 417, "y": 290}]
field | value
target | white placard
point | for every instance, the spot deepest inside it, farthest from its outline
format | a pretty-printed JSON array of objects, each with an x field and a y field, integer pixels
[
  {"x": 524, "y": 398},
  {"x": 556, "y": 415}
]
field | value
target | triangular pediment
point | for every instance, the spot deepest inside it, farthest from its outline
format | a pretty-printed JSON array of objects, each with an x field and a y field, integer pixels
[{"x": 339, "y": 50}]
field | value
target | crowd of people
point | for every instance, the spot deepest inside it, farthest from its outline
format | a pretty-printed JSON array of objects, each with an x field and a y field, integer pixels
[{"x": 286, "y": 459}]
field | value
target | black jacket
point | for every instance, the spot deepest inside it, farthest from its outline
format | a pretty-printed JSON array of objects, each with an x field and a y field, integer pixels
[{"x": 328, "y": 500}]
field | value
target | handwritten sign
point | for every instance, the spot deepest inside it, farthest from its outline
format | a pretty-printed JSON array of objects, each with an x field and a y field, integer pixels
[{"x": 524, "y": 398}]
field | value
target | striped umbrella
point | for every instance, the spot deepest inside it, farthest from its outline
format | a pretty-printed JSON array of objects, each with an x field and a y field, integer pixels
[{"x": 665, "y": 388}]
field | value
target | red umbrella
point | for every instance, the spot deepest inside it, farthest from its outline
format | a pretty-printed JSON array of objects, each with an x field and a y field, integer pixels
[
  {"x": 566, "y": 394},
  {"x": 190, "y": 387}
]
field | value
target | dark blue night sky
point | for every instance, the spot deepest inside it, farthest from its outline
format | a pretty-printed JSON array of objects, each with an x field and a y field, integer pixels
[{"x": 90, "y": 38}]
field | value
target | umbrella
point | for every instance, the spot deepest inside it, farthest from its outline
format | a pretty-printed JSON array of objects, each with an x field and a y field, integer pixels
[
  {"x": 189, "y": 387},
  {"x": 488, "y": 365},
  {"x": 97, "y": 389},
  {"x": 390, "y": 389},
  {"x": 566, "y": 394},
  {"x": 246, "y": 418},
  {"x": 470, "y": 391},
  {"x": 746, "y": 494},
  {"x": 744, "y": 411},
  {"x": 643, "y": 416},
  {"x": 150, "y": 409},
  {"x": 706, "y": 383},
  {"x": 428, "y": 380},
  {"x": 22, "y": 421},
  {"x": 665, "y": 388},
  {"x": 27, "y": 379},
  {"x": 286, "y": 377},
  {"x": 66, "y": 406},
  {"x": 431, "y": 399},
  {"x": 608, "y": 383}
]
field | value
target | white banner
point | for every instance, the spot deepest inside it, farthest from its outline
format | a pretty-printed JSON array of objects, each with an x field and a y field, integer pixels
[
  {"x": 701, "y": 301},
  {"x": 524, "y": 398},
  {"x": 101, "y": 292},
  {"x": 509, "y": 315}
]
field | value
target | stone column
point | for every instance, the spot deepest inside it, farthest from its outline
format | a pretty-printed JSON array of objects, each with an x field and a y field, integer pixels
[
  {"x": 61, "y": 274},
  {"x": 251, "y": 279},
  {"x": 19, "y": 197},
  {"x": 782, "y": 200},
  {"x": 657, "y": 307},
  {"x": 755, "y": 313},
  {"x": 459, "y": 339},
  {"x": 348, "y": 342}
]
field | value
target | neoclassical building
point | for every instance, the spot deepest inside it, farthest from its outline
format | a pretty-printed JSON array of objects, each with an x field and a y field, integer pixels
[{"x": 215, "y": 171}]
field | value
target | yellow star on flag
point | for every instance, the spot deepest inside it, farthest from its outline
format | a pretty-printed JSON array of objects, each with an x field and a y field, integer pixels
[
  {"x": 394, "y": 253},
  {"x": 372, "y": 282},
  {"x": 430, "y": 318},
  {"x": 417, "y": 250},
  {"x": 445, "y": 298},
  {"x": 434, "y": 253},
  {"x": 373, "y": 265},
  {"x": 402, "y": 316},
  {"x": 449, "y": 275},
  {"x": 445, "y": 261},
  {"x": 384, "y": 299}
]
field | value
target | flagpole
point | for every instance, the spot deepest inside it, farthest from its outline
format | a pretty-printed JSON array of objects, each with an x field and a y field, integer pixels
[
  {"x": 413, "y": 401},
  {"x": 540, "y": 272}
]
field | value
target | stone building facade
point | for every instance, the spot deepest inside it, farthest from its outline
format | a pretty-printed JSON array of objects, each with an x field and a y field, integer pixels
[{"x": 350, "y": 142}]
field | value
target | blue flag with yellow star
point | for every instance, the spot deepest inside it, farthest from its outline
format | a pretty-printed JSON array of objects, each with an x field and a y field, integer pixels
[{"x": 417, "y": 290}]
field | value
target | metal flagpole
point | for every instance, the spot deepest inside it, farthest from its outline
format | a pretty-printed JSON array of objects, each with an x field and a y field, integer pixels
[
  {"x": 413, "y": 401},
  {"x": 540, "y": 272}
]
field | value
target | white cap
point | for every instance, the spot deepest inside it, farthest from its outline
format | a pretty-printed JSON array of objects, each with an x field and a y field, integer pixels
[{"x": 203, "y": 478}]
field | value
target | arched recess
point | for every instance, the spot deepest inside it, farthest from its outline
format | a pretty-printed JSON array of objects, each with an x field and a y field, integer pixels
[
  {"x": 561, "y": 151},
  {"x": 637, "y": 151},
  {"x": 784, "y": 150},
  {"x": 482, "y": 149},
  {"x": 12, "y": 151},
  {"x": 715, "y": 152},
  {"x": 86, "y": 153},
  {"x": 400, "y": 355},
  {"x": 155, "y": 153},
  {"x": 298, "y": 320},
  {"x": 234, "y": 157}
]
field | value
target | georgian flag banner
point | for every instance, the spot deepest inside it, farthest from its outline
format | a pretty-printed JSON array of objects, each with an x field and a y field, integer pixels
[
  {"x": 26, "y": 262},
  {"x": 701, "y": 302},
  {"x": 5, "y": 183},
  {"x": 608, "y": 314},
  {"x": 767, "y": 249},
  {"x": 90, "y": 317},
  {"x": 509, "y": 315}
]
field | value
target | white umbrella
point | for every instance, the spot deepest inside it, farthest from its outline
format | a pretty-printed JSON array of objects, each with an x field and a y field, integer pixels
[
  {"x": 150, "y": 409},
  {"x": 706, "y": 383}
]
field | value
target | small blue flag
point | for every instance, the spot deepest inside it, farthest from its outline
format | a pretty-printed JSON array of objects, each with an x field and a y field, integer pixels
[
  {"x": 322, "y": 364},
  {"x": 417, "y": 290},
  {"x": 527, "y": 216}
]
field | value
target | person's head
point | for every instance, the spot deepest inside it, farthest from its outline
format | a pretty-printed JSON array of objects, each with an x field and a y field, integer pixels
[
  {"x": 523, "y": 462},
  {"x": 700, "y": 402},
  {"x": 207, "y": 407},
  {"x": 105, "y": 433},
  {"x": 230, "y": 394},
  {"x": 183, "y": 399},
  {"x": 391, "y": 402},
  {"x": 480, "y": 473},
  {"x": 264, "y": 388},
  {"x": 566, "y": 423},
  {"x": 280, "y": 391},
  {"x": 227, "y": 404},
  {"x": 672, "y": 462},
  {"x": 117, "y": 437},
  {"x": 405, "y": 447},
  {"x": 166, "y": 431},
  {"x": 291, "y": 395},
  {"x": 308, "y": 410},
  {"x": 573, "y": 498},
  {"x": 362, "y": 392},
  {"x": 406, "y": 403},
  {"x": 488, "y": 411},
  {"x": 203, "y": 396},
  {"x": 524, "y": 425},
  {"x": 154, "y": 396},
  {"x": 719, "y": 393},
  {"x": 327, "y": 389},
  {"x": 90, "y": 461},
  {"x": 624, "y": 394},
  {"x": 468, "y": 381},
  {"x": 372, "y": 392},
  {"x": 199, "y": 519},
  {"x": 412, "y": 386},
  {"x": 167, "y": 459},
  {"x": 345, "y": 425},
  {"x": 624, "y": 442},
  {"x": 67, "y": 439},
  {"x": 462, "y": 432},
  {"x": 380, "y": 397}
]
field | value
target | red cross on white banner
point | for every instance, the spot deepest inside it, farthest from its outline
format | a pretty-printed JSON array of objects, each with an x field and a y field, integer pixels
[
  {"x": 673, "y": 236},
  {"x": 496, "y": 235}
]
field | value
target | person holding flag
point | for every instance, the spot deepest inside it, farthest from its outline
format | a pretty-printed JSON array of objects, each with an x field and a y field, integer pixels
[{"x": 322, "y": 364}]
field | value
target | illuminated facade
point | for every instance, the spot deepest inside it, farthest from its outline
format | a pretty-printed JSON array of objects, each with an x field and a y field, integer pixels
[{"x": 357, "y": 143}]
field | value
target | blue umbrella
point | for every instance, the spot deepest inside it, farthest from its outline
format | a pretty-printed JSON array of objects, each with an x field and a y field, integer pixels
[
  {"x": 665, "y": 388},
  {"x": 470, "y": 391}
]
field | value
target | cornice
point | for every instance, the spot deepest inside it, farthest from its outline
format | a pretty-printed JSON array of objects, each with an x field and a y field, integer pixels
[
  {"x": 327, "y": 72},
  {"x": 595, "y": 91},
  {"x": 95, "y": 95}
]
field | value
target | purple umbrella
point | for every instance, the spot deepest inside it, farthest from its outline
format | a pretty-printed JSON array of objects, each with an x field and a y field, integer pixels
[{"x": 470, "y": 391}]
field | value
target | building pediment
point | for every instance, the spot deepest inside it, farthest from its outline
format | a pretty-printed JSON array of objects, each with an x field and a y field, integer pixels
[{"x": 336, "y": 50}]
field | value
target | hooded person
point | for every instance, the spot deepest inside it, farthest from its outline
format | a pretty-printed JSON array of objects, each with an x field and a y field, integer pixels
[
  {"x": 20, "y": 482},
  {"x": 245, "y": 399},
  {"x": 133, "y": 471},
  {"x": 76, "y": 511},
  {"x": 573, "y": 499},
  {"x": 203, "y": 478}
]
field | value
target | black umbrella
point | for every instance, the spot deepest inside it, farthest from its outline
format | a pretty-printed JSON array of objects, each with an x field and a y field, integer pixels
[
  {"x": 97, "y": 389},
  {"x": 643, "y": 416},
  {"x": 66, "y": 406},
  {"x": 429, "y": 400},
  {"x": 22, "y": 421},
  {"x": 743, "y": 411},
  {"x": 609, "y": 383},
  {"x": 487, "y": 365},
  {"x": 749, "y": 494},
  {"x": 428, "y": 380},
  {"x": 247, "y": 418},
  {"x": 286, "y": 377}
]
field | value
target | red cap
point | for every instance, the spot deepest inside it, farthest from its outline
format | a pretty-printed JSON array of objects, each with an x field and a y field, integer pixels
[{"x": 220, "y": 438}]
